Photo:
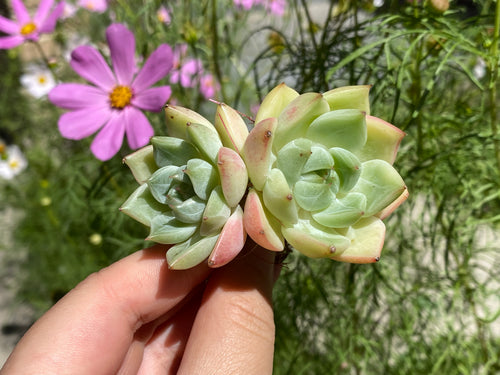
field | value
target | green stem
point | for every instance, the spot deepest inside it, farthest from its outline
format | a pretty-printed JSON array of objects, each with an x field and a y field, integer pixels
[
  {"x": 45, "y": 59},
  {"x": 215, "y": 49},
  {"x": 493, "y": 67}
]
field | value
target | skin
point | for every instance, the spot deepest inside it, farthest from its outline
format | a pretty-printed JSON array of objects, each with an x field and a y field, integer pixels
[{"x": 139, "y": 317}]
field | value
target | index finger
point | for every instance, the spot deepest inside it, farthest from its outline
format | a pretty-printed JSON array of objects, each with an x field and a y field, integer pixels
[{"x": 90, "y": 329}]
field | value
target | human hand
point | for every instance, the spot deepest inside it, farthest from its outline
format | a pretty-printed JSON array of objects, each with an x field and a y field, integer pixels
[{"x": 139, "y": 317}]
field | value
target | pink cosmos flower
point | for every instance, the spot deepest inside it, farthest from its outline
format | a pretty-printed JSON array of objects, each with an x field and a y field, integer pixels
[
  {"x": 276, "y": 7},
  {"x": 245, "y": 4},
  {"x": 187, "y": 73},
  {"x": 28, "y": 28},
  {"x": 112, "y": 107},
  {"x": 163, "y": 15},
  {"x": 208, "y": 86},
  {"x": 98, "y": 6}
]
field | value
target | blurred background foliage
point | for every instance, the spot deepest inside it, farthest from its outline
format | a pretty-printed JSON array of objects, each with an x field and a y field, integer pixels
[{"x": 432, "y": 304}]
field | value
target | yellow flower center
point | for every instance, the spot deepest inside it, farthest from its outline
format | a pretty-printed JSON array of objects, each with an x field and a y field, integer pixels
[
  {"x": 120, "y": 97},
  {"x": 41, "y": 79},
  {"x": 13, "y": 164},
  {"x": 28, "y": 28}
]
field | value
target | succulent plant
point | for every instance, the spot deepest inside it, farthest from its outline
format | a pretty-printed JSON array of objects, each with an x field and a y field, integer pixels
[
  {"x": 191, "y": 184},
  {"x": 314, "y": 172},
  {"x": 321, "y": 173}
]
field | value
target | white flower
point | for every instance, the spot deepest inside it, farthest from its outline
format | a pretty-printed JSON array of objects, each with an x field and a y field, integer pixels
[
  {"x": 69, "y": 10},
  {"x": 479, "y": 70},
  {"x": 38, "y": 81},
  {"x": 12, "y": 162}
]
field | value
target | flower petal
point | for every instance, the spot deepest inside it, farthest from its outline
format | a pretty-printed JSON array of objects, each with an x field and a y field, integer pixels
[
  {"x": 8, "y": 26},
  {"x": 122, "y": 48},
  {"x": 152, "y": 99},
  {"x": 155, "y": 68},
  {"x": 49, "y": 23},
  {"x": 21, "y": 12},
  {"x": 139, "y": 130},
  {"x": 8, "y": 42},
  {"x": 83, "y": 123},
  {"x": 109, "y": 140},
  {"x": 42, "y": 11},
  {"x": 89, "y": 63},
  {"x": 77, "y": 96}
]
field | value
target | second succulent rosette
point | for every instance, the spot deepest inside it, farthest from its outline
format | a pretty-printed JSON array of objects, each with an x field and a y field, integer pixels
[{"x": 321, "y": 173}]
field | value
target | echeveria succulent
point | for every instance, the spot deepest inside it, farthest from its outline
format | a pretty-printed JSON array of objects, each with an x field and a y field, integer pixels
[
  {"x": 191, "y": 184},
  {"x": 314, "y": 172},
  {"x": 321, "y": 173}
]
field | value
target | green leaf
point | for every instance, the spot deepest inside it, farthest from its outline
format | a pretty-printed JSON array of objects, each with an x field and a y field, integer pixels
[
  {"x": 292, "y": 158},
  {"x": 297, "y": 116},
  {"x": 348, "y": 168},
  {"x": 313, "y": 239},
  {"x": 278, "y": 197},
  {"x": 142, "y": 206},
  {"x": 345, "y": 128},
  {"x": 173, "y": 151},
  {"x": 203, "y": 176},
  {"x": 189, "y": 211},
  {"x": 191, "y": 252},
  {"x": 319, "y": 159},
  {"x": 380, "y": 183},
  {"x": 312, "y": 196},
  {"x": 216, "y": 213},
  {"x": 206, "y": 139},
  {"x": 342, "y": 212},
  {"x": 167, "y": 229},
  {"x": 141, "y": 163},
  {"x": 161, "y": 182},
  {"x": 349, "y": 97}
]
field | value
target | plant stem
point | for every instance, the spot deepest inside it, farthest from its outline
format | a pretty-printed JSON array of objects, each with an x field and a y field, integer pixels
[
  {"x": 493, "y": 67},
  {"x": 45, "y": 59}
]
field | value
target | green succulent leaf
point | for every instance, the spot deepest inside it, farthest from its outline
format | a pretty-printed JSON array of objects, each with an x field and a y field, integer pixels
[
  {"x": 142, "y": 206},
  {"x": 216, "y": 213},
  {"x": 292, "y": 158},
  {"x": 342, "y": 212},
  {"x": 380, "y": 183},
  {"x": 191, "y": 252},
  {"x": 382, "y": 142},
  {"x": 189, "y": 211},
  {"x": 278, "y": 197},
  {"x": 312, "y": 196},
  {"x": 348, "y": 168},
  {"x": 177, "y": 119},
  {"x": 349, "y": 97},
  {"x": 320, "y": 158},
  {"x": 275, "y": 101},
  {"x": 206, "y": 139},
  {"x": 167, "y": 229},
  {"x": 367, "y": 239},
  {"x": 173, "y": 151},
  {"x": 257, "y": 151},
  {"x": 161, "y": 181},
  {"x": 345, "y": 128},
  {"x": 141, "y": 163},
  {"x": 295, "y": 119},
  {"x": 313, "y": 239},
  {"x": 204, "y": 177}
]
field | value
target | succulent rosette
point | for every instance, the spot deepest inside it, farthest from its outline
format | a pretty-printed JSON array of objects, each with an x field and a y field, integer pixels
[
  {"x": 314, "y": 172},
  {"x": 191, "y": 184},
  {"x": 321, "y": 174}
]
